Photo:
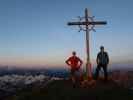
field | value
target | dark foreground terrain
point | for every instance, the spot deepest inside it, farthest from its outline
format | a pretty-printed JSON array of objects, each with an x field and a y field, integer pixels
[{"x": 64, "y": 90}]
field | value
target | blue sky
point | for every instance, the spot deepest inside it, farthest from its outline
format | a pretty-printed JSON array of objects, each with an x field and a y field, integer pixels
[{"x": 35, "y": 32}]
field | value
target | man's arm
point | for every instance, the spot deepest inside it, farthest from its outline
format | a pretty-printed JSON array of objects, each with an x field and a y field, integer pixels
[
  {"x": 107, "y": 58},
  {"x": 80, "y": 62},
  {"x": 67, "y": 61},
  {"x": 97, "y": 60}
]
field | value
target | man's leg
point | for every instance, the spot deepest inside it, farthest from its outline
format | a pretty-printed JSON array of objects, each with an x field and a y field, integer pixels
[
  {"x": 73, "y": 78},
  {"x": 97, "y": 71},
  {"x": 105, "y": 72},
  {"x": 72, "y": 75},
  {"x": 80, "y": 75}
]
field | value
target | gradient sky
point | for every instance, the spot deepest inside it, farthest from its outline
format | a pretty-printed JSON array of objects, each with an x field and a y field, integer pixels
[{"x": 35, "y": 32}]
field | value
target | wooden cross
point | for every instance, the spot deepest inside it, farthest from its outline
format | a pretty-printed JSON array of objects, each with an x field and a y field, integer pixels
[{"x": 87, "y": 23}]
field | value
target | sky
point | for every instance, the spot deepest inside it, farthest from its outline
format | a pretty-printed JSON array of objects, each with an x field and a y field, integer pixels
[{"x": 35, "y": 32}]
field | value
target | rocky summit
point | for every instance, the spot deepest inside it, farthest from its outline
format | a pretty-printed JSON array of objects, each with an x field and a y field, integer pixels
[{"x": 65, "y": 90}]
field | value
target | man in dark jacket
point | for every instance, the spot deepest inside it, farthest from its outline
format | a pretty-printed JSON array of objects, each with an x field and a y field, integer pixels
[{"x": 102, "y": 62}]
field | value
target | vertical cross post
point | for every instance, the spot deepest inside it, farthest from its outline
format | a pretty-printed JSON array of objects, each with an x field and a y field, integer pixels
[{"x": 88, "y": 63}]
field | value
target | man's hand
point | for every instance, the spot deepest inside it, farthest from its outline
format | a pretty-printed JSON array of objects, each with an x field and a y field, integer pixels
[{"x": 78, "y": 67}]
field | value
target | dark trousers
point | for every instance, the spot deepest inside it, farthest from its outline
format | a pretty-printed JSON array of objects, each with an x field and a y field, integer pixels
[{"x": 104, "y": 67}]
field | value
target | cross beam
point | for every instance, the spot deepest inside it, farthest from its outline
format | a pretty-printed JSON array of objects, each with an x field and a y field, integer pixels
[{"x": 87, "y": 24}]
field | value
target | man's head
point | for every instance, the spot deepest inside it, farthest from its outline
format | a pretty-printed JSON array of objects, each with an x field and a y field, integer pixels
[
  {"x": 74, "y": 53},
  {"x": 102, "y": 48}
]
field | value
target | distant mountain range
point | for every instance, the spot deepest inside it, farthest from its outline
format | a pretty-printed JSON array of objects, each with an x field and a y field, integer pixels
[
  {"x": 5, "y": 70},
  {"x": 55, "y": 72}
]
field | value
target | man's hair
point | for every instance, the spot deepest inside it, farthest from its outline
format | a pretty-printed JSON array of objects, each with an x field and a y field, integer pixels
[
  {"x": 102, "y": 47},
  {"x": 74, "y": 53}
]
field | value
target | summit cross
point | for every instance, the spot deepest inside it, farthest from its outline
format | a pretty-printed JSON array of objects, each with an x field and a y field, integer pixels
[{"x": 87, "y": 24}]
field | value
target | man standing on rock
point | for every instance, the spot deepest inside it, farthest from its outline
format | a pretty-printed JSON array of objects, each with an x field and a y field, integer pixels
[
  {"x": 102, "y": 62},
  {"x": 75, "y": 63}
]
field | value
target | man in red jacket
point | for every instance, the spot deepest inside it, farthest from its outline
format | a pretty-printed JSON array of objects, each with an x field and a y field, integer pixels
[{"x": 75, "y": 63}]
